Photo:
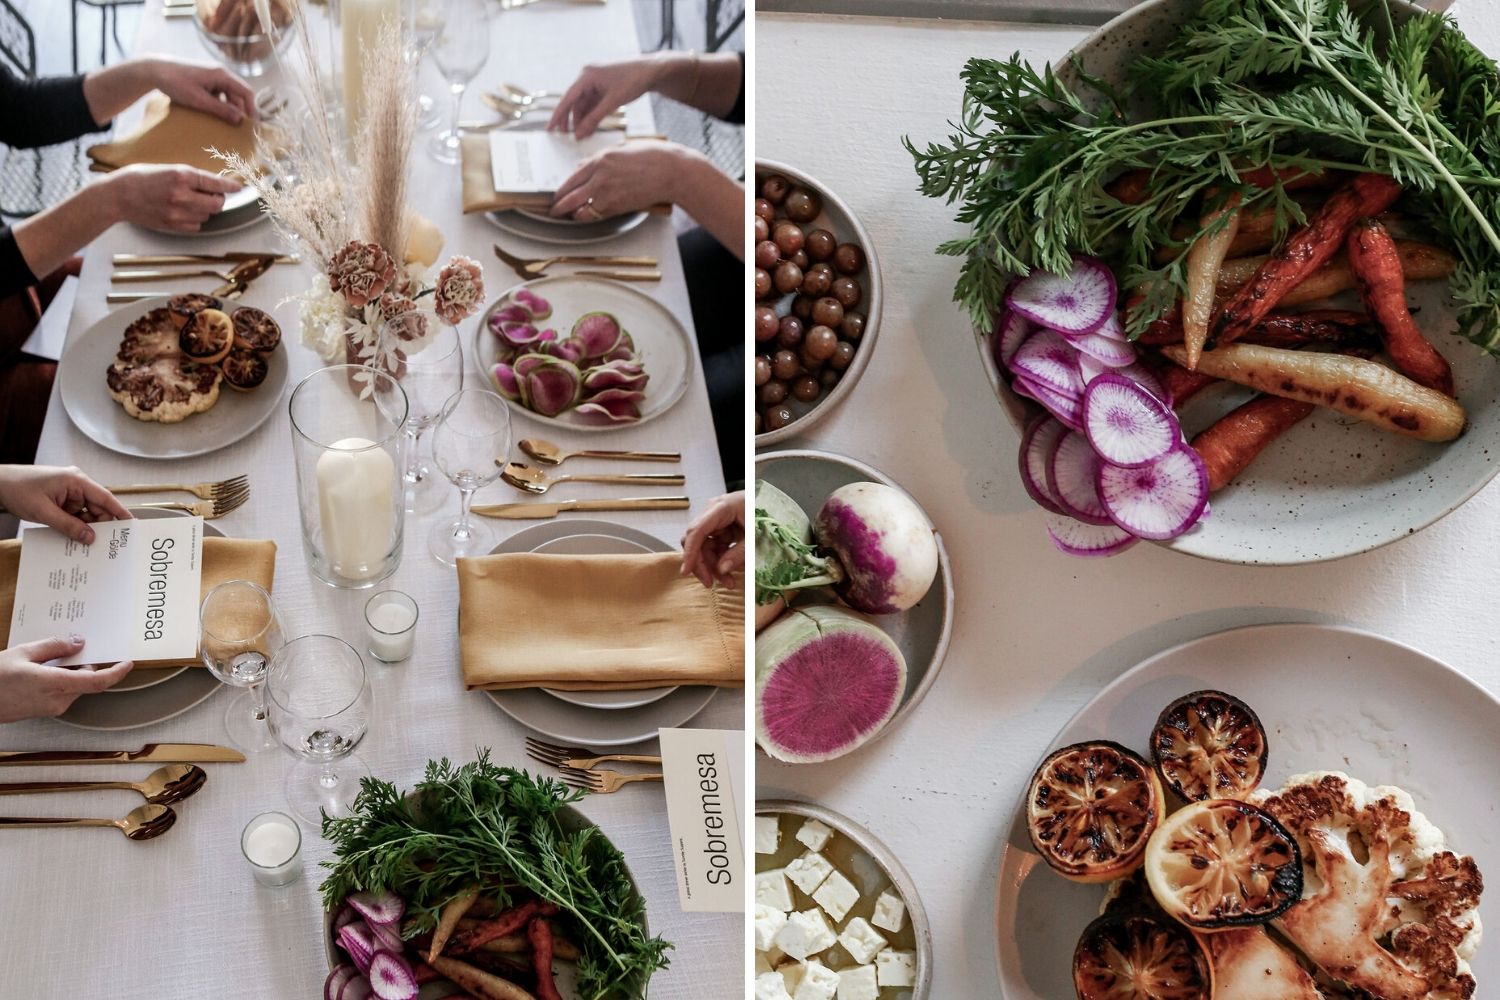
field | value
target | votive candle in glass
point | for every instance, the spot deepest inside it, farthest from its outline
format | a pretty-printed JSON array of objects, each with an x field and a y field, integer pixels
[
  {"x": 391, "y": 620},
  {"x": 272, "y": 843}
]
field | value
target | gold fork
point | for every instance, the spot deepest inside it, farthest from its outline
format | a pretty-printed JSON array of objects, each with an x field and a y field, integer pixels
[
  {"x": 602, "y": 782},
  {"x": 528, "y": 268},
  {"x": 206, "y": 509},
  {"x": 203, "y": 491},
  {"x": 578, "y": 758}
]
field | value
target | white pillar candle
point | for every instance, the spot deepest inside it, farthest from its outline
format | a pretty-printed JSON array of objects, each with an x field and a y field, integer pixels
[
  {"x": 356, "y": 505},
  {"x": 360, "y": 21},
  {"x": 273, "y": 846}
]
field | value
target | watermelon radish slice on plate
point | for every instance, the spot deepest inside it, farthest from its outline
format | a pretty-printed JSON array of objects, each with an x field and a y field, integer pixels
[
  {"x": 1037, "y": 446},
  {"x": 1160, "y": 500},
  {"x": 1127, "y": 425},
  {"x": 1048, "y": 359},
  {"x": 1073, "y": 477},
  {"x": 1079, "y": 539},
  {"x": 1077, "y": 302}
]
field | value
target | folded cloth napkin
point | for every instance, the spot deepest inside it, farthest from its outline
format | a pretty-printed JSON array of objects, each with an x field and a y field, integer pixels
[
  {"x": 479, "y": 182},
  {"x": 223, "y": 559},
  {"x": 595, "y": 623},
  {"x": 171, "y": 133}
]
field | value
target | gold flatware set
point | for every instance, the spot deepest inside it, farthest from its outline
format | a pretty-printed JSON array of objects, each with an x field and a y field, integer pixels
[
  {"x": 529, "y": 479},
  {"x": 215, "y": 499},
  {"x": 579, "y": 766},
  {"x": 542, "y": 511},
  {"x": 533, "y": 480},
  {"x": 240, "y": 269},
  {"x": 548, "y": 453},
  {"x": 536, "y": 267}
]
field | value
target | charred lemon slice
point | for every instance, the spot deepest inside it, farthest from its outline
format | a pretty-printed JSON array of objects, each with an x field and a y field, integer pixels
[
  {"x": 1209, "y": 745},
  {"x": 1138, "y": 956},
  {"x": 207, "y": 337},
  {"x": 1221, "y": 863},
  {"x": 1091, "y": 808}
]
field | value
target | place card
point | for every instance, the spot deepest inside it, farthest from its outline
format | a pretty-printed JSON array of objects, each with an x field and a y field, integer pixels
[
  {"x": 132, "y": 594},
  {"x": 539, "y": 162},
  {"x": 704, "y": 770}
]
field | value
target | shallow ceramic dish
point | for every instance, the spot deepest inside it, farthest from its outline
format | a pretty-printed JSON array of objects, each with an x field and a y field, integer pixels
[
  {"x": 1331, "y": 486},
  {"x": 1408, "y": 720},
  {"x": 882, "y": 872},
  {"x": 568, "y": 233},
  {"x": 922, "y": 632},
  {"x": 664, "y": 345},
  {"x": 839, "y": 219}
]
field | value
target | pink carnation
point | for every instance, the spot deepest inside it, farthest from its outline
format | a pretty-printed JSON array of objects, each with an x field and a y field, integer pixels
[
  {"x": 412, "y": 325},
  {"x": 459, "y": 291},
  {"x": 361, "y": 271}
]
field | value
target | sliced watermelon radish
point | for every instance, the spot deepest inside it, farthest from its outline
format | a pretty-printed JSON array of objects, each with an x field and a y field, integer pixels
[
  {"x": 617, "y": 406},
  {"x": 1065, "y": 408},
  {"x": 1037, "y": 444},
  {"x": 567, "y": 348},
  {"x": 552, "y": 388},
  {"x": 358, "y": 988},
  {"x": 1077, "y": 302},
  {"x": 521, "y": 335},
  {"x": 507, "y": 314},
  {"x": 1010, "y": 334},
  {"x": 597, "y": 333},
  {"x": 340, "y": 975},
  {"x": 1126, "y": 424},
  {"x": 1112, "y": 327},
  {"x": 346, "y": 915},
  {"x": 1115, "y": 353},
  {"x": 1160, "y": 500},
  {"x": 621, "y": 351},
  {"x": 615, "y": 375},
  {"x": 1047, "y": 358},
  {"x": 387, "y": 936},
  {"x": 506, "y": 382},
  {"x": 534, "y": 304},
  {"x": 1079, "y": 539},
  {"x": 530, "y": 362},
  {"x": 1148, "y": 380},
  {"x": 1072, "y": 477},
  {"x": 391, "y": 977},
  {"x": 378, "y": 907},
  {"x": 357, "y": 940},
  {"x": 827, "y": 680}
]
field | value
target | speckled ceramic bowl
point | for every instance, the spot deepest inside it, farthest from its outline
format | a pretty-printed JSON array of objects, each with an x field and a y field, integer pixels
[{"x": 1331, "y": 486}]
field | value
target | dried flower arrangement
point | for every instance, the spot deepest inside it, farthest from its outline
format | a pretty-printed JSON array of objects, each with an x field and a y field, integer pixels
[{"x": 343, "y": 205}]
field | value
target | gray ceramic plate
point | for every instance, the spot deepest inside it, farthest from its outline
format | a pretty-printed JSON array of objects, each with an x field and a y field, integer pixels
[
  {"x": 922, "y": 632},
  {"x": 839, "y": 219},
  {"x": 241, "y": 211},
  {"x": 1408, "y": 720},
  {"x": 1331, "y": 486},
  {"x": 569, "y": 233},
  {"x": 887, "y": 873}
]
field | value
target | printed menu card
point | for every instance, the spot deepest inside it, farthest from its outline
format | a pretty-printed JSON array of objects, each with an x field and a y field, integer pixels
[
  {"x": 703, "y": 770},
  {"x": 133, "y": 594},
  {"x": 539, "y": 162}
]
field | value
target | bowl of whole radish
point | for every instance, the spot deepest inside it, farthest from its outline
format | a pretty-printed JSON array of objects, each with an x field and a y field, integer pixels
[{"x": 854, "y": 605}]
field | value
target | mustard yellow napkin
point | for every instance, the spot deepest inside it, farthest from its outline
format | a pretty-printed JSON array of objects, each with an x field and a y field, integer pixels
[
  {"x": 595, "y": 623},
  {"x": 171, "y": 133},
  {"x": 479, "y": 182},
  {"x": 223, "y": 559}
]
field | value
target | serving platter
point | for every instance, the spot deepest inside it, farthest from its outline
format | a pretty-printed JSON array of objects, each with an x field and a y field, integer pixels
[
  {"x": 664, "y": 345},
  {"x": 1332, "y": 698},
  {"x": 1331, "y": 486},
  {"x": 87, "y": 401}
]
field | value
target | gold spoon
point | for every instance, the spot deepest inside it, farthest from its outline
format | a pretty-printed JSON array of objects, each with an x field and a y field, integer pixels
[
  {"x": 531, "y": 480},
  {"x": 550, "y": 454},
  {"x": 141, "y": 823},
  {"x": 163, "y": 786}
]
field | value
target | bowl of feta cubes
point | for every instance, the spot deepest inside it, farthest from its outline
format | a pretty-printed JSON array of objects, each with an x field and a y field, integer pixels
[{"x": 836, "y": 916}]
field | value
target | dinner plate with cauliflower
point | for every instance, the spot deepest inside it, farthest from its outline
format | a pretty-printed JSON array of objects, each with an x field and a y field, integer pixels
[{"x": 1278, "y": 812}]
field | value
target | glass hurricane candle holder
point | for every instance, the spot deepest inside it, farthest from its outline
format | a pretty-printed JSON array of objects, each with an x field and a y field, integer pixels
[{"x": 272, "y": 844}]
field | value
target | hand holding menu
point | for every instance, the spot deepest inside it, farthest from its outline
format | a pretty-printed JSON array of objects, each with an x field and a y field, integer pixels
[
  {"x": 539, "y": 162},
  {"x": 132, "y": 594}
]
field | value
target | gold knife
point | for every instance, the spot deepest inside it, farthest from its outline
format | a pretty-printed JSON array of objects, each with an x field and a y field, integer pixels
[
  {"x": 619, "y": 275},
  {"x": 527, "y": 511},
  {"x": 156, "y": 753},
  {"x": 159, "y": 259}
]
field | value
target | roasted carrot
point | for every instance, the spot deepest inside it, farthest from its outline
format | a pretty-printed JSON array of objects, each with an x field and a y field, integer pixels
[
  {"x": 1382, "y": 286},
  {"x": 1419, "y": 262},
  {"x": 1292, "y": 178},
  {"x": 507, "y": 922},
  {"x": 1203, "y": 263},
  {"x": 1284, "y": 329},
  {"x": 453, "y": 911},
  {"x": 1302, "y": 254},
  {"x": 477, "y": 981},
  {"x": 1233, "y": 441},
  {"x": 1130, "y": 187},
  {"x": 1183, "y": 384},
  {"x": 540, "y": 934}
]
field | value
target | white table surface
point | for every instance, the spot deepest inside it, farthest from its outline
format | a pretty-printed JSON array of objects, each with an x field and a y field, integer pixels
[
  {"x": 1036, "y": 633},
  {"x": 87, "y": 913}
]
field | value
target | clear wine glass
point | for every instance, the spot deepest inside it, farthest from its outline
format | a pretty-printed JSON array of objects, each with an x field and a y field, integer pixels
[
  {"x": 472, "y": 432},
  {"x": 423, "y": 21},
  {"x": 431, "y": 374},
  {"x": 239, "y": 631},
  {"x": 460, "y": 49},
  {"x": 319, "y": 701}
]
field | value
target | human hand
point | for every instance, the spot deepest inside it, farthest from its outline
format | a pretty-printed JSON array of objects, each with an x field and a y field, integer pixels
[
  {"x": 713, "y": 550},
  {"x": 629, "y": 177},
  {"x": 31, "y": 689},
  {"x": 64, "y": 499},
  {"x": 603, "y": 87},
  {"x": 204, "y": 87},
  {"x": 163, "y": 196}
]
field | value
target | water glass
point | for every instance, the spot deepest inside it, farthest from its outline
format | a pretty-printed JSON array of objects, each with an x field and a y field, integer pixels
[
  {"x": 431, "y": 373},
  {"x": 460, "y": 49},
  {"x": 319, "y": 700},
  {"x": 423, "y": 21},
  {"x": 239, "y": 630},
  {"x": 472, "y": 432}
]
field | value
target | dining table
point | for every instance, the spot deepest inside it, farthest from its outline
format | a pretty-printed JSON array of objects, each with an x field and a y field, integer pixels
[
  {"x": 89, "y": 913},
  {"x": 1036, "y": 633}
]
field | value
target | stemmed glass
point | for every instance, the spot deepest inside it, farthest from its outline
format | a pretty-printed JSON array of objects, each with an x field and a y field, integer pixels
[
  {"x": 319, "y": 702},
  {"x": 473, "y": 431},
  {"x": 460, "y": 49},
  {"x": 239, "y": 631},
  {"x": 423, "y": 21},
  {"x": 430, "y": 377}
]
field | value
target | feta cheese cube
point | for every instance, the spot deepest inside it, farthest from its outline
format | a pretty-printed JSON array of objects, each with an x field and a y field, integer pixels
[
  {"x": 836, "y": 896},
  {"x": 808, "y": 871},
  {"x": 770, "y": 987},
  {"x": 767, "y": 834},
  {"x": 815, "y": 835},
  {"x": 762, "y": 964},
  {"x": 890, "y": 912},
  {"x": 858, "y": 983},
  {"x": 818, "y": 983},
  {"x": 804, "y": 934},
  {"x": 771, "y": 890},
  {"x": 768, "y": 923},
  {"x": 896, "y": 968},
  {"x": 861, "y": 940}
]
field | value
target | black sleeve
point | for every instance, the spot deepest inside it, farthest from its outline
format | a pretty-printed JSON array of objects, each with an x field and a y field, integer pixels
[
  {"x": 737, "y": 113},
  {"x": 44, "y": 111},
  {"x": 15, "y": 273}
]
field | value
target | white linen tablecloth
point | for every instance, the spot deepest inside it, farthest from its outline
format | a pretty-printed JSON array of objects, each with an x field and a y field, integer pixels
[
  {"x": 87, "y": 913},
  {"x": 1036, "y": 633}
]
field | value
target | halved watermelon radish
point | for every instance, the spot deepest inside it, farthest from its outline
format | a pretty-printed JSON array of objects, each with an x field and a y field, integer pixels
[{"x": 827, "y": 680}]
